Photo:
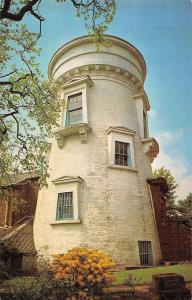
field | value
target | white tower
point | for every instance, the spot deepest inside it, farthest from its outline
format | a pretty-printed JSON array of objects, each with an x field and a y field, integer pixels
[{"x": 100, "y": 158}]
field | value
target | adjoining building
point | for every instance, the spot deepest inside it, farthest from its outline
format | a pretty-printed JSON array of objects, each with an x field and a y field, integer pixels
[
  {"x": 16, "y": 224},
  {"x": 100, "y": 158}
]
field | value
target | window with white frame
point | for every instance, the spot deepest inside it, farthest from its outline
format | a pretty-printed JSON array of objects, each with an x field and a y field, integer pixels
[
  {"x": 74, "y": 109},
  {"x": 75, "y": 93},
  {"x": 122, "y": 154},
  {"x": 121, "y": 147},
  {"x": 64, "y": 206},
  {"x": 67, "y": 199}
]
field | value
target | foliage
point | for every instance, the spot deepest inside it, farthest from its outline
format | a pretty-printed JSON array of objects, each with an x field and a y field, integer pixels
[
  {"x": 23, "y": 288},
  {"x": 29, "y": 104},
  {"x": 184, "y": 209},
  {"x": 84, "y": 271},
  {"x": 170, "y": 196},
  {"x": 5, "y": 252},
  {"x": 97, "y": 14},
  {"x": 3, "y": 266},
  {"x": 131, "y": 282}
]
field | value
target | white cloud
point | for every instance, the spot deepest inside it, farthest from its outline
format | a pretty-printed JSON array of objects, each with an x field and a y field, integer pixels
[
  {"x": 168, "y": 137},
  {"x": 152, "y": 114},
  {"x": 176, "y": 163}
]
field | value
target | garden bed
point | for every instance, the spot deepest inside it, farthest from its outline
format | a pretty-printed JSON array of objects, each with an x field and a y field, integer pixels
[{"x": 118, "y": 291}]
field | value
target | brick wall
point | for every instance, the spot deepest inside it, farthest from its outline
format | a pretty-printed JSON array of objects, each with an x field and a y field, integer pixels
[
  {"x": 26, "y": 190},
  {"x": 175, "y": 238}
]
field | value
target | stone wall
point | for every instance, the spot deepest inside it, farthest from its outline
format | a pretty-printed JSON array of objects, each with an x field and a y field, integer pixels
[{"x": 26, "y": 190}]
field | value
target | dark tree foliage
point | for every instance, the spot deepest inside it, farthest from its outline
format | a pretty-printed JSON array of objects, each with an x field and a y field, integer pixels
[{"x": 184, "y": 209}]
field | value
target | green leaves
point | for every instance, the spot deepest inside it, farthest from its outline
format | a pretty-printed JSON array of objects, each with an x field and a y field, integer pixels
[
  {"x": 170, "y": 196},
  {"x": 185, "y": 209},
  {"x": 29, "y": 105}
]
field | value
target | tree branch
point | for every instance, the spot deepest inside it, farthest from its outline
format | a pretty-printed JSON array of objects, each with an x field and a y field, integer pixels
[
  {"x": 5, "y": 14},
  {"x": 10, "y": 73}
]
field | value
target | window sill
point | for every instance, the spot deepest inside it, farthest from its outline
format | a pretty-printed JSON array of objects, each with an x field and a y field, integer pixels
[
  {"x": 66, "y": 222},
  {"x": 61, "y": 133},
  {"x": 126, "y": 168}
]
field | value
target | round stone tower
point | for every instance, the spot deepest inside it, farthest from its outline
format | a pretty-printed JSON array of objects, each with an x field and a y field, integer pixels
[{"x": 100, "y": 157}]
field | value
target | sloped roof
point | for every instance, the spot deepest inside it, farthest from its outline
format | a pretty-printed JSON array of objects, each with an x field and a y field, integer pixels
[
  {"x": 16, "y": 179},
  {"x": 20, "y": 236}
]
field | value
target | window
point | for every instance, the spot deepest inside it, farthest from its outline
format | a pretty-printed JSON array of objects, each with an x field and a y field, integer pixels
[
  {"x": 120, "y": 142},
  {"x": 65, "y": 206},
  {"x": 122, "y": 154},
  {"x": 145, "y": 125},
  {"x": 74, "y": 109},
  {"x": 145, "y": 252},
  {"x": 67, "y": 200}
]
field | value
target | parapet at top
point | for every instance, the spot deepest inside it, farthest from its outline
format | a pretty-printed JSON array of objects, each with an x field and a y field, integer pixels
[{"x": 82, "y": 51}]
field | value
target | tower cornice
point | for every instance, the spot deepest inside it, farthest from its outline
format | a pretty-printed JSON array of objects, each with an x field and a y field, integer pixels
[{"x": 79, "y": 42}]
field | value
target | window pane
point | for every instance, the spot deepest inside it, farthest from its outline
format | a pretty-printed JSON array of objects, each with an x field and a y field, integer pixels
[
  {"x": 117, "y": 161},
  {"x": 75, "y": 101},
  {"x": 125, "y": 149},
  {"x": 74, "y": 112},
  {"x": 145, "y": 252},
  {"x": 121, "y": 146},
  {"x": 122, "y": 154},
  {"x": 65, "y": 206},
  {"x": 125, "y": 161},
  {"x": 116, "y": 147},
  {"x": 75, "y": 116}
]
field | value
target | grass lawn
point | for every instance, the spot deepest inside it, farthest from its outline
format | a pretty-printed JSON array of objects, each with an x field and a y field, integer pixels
[{"x": 146, "y": 274}]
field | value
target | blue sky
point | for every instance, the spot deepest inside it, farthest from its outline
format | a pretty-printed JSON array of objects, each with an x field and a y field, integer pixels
[{"x": 162, "y": 31}]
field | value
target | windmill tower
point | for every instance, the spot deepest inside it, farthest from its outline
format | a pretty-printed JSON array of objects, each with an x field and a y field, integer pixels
[{"x": 100, "y": 158}]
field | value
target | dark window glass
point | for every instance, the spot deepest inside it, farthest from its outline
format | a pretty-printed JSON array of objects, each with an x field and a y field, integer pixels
[
  {"x": 74, "y": 113},
  {"x": 145, "y": 126},
  {"x": 145, "y": 252},
  {"x": 65, "y": 206},
  {"x": 122, "y": 153}
]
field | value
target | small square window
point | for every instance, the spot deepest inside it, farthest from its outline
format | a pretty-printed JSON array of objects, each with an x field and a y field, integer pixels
[
  {"x": 122, "y": 154},
  {"x": 74, "y": 109},
  {"x": 65, "y": 206}
]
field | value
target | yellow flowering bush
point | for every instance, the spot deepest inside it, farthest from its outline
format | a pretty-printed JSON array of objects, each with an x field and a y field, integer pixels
[{"x": 85, "y": 271}]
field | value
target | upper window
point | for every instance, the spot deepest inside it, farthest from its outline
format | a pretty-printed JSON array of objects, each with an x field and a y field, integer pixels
[
  {"x": 121, "y": 148},
  {"x": 74, "y": 109},
  {"x": 65, "y": 206},
  {"x": 122, "y": 154}
]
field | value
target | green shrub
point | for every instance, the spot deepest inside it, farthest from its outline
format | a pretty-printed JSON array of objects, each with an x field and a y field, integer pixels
[
  {"x": 21, "y": 288},
  {"x": 26, "y": 288},
  {"x": 131, "y": 282},
  {"x": 3, "y": 266}
]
